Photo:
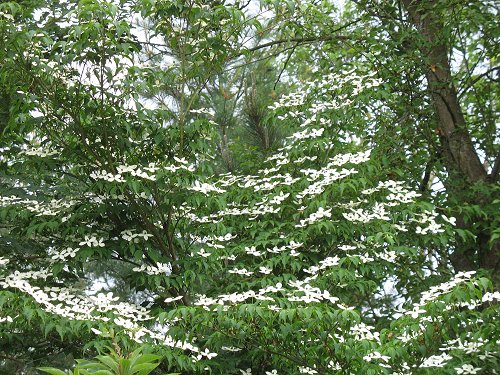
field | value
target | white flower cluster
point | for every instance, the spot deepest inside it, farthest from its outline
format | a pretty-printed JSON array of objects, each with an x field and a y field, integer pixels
[
  {"x": 182, "y": 164},
  {"x": 134, "y": 170},
  {"x": 292, "y": 245},
  {"x": 432, "y": 295},
  {"x": 416, "y": 311},
  {"x": 309, "y": 294},
  {"x": 294, "y": 99},
  {"x": 206, "y": 111},
  {"x": 468, "y": 347},
  {"x": 106, "y": 176},
  {"x": 157, "y": 269},
  {"x": 132, "y": 236},
  {"x": 490, "y": 297},
  {"x": 203, "y": 253},
  {"x": 377, "y": 356},
  {"x": 429, "y": 217},
  {"x": 65, "y": 302},
  {"x": 391, "y": 185},
  {"x": 92, "y": 241},
  {"x": 4, "y": 261},
  {"x": 38, "y": 151},
  {"x": 265, "y": 270},
  {"x": 328, "y": 175},
  {"x": 399, "y": 193},
  {"x": 278, "y": 199},
  {"x": 65, "y": 253},
  {"x": 436, "y": 361},
  {"x": 205, "y": 188},
  {"x": 307, "y": 370},
  {"x": 213, "y": 242},
  {"x": 438, "y": 290},
  {"x": 241, "y": 271},
  {"x": 279, "y": 159},
  {"x": 253, "y": 251},
  {"x": 172, "y": 299},
  {"x": 361, "y": 331},
  {"x": 351, "y": 158},
  {"x": 268, "y": 183},
  {"x": 360, "y": 215},
  {"x": 305, "y": 158},
  {"x": 307, "y": 134},
  {"x": 323, "y": 264},
  {"x": 272, "y": 204},
  {"x": 467, "y": 369},
  {"x": 342, "y": 99},
  {"x": 253, "y": 212},
  {"x": 8, "y": 17},
  {"x": 52, "y": 207},
  {"x": 388, "y": 255},
  {"x": 7, "y": 201},
  {"x": 318, "y": 215},
  {"x": 206, "y": 302},
  {"x": 44, "y": 208}
]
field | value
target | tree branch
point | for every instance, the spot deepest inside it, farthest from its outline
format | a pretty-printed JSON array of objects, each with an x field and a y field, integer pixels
[
  {"x": 496, "y": 169},
  {"x": 427, "y": 176},
  {"x": 285, "y": 65},
  {"x": 310, "y": 39},
  {"x": 475, "y": 80}
]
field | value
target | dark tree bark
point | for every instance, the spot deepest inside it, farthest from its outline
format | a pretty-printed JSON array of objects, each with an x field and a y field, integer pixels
[{"x": 460, "y": 157}]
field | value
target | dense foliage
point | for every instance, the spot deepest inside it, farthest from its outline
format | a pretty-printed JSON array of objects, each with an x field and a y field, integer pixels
[{"x": 243, "y": 188}]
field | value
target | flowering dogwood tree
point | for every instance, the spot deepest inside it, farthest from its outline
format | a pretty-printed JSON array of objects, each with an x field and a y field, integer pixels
[{"x": 318, "y": 262}]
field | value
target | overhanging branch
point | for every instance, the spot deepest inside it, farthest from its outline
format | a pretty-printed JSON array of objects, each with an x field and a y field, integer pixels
[{"x": 475, "y": 80}]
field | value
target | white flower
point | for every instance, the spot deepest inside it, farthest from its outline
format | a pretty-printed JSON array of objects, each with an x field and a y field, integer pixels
[
  {"x": 92, "y": 241},
  {"x": 319, "y": 214},
  {"x": 203, "y": 253},
  {"x": 467, "y": 369},
  {"x": 307, "y": 370},
  {"x": 265, "y": 270},
  {"x": 230, "y": 349},
  {"x": 206, "y": 353},
  {"x": 242, "y": 271},
  {"x": 205, "y": 188},
  {"x": 126, "y": 168},
  {"x": 172, "y": 299},
  {"x": 157, "y": 269},
  {"x": 376, "y": 355},
  {"x": 252, "y": 251},
  {"x": 490, "y": 297},
  {"x": 450, "y": 220},
  {"x": 415, "y": 312}
]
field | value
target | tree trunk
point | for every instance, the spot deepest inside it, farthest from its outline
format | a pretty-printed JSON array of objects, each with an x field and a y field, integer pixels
[{"x": 460, "y": 158}]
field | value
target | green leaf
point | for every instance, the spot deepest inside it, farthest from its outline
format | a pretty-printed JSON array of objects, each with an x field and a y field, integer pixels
[
  {"x": 143, "y": 368},
  {"x": 52, "y": 371},
  {"x": 109, "y": 362}
]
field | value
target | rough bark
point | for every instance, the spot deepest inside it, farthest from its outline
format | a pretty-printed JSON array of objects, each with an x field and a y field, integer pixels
[{"x": 460, "y": 157}]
